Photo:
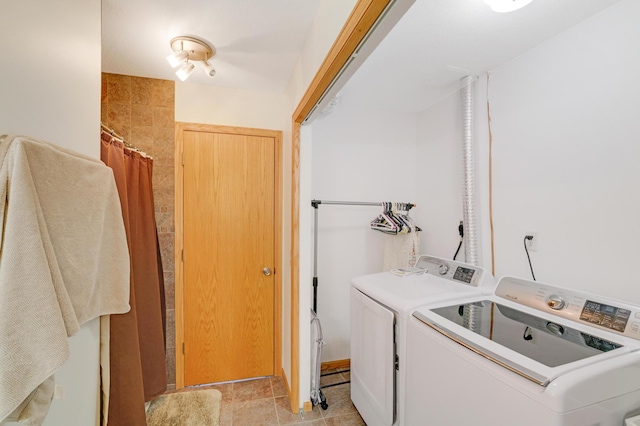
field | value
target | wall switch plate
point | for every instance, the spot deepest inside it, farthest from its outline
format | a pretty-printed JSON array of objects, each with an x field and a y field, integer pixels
[{"x": 533, "y": 244}]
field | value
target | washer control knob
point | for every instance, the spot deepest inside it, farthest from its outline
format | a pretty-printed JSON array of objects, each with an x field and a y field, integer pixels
[
  {"x": 555, "y": 302},
  {"x": 443, "y": 269}
]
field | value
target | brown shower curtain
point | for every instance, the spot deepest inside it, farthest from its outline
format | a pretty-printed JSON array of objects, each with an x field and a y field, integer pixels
[{"x": 137, "y": 344}]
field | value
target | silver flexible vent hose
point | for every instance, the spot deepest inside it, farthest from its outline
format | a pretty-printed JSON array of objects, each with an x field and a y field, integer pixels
[
  {"x": 467, "y": 91},
  {"x": 471, "y": 319}
]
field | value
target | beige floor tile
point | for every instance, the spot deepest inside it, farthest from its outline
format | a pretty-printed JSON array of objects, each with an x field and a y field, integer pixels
[
  {"x": 226, "y": 414},
  {"x": 346, "y": 420},
  {"x": 339, "y": 400},
  {"x": 260, "y": 412},
  {"x": 226, "y": 389},
  {"x": 278, "y": 386},
  {"x": 286, "y": 417},
  {"x": 331, "y": 379},
  {"x": 252, "y": 403},
  {"x": 346, "y": 375},
  {"x": 252, "y": 389}
]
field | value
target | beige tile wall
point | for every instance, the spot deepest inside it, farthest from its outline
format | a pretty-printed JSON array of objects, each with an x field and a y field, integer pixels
[{"x": 142, "y": 111}]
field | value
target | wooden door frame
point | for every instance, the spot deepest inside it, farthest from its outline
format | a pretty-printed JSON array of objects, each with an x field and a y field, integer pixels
[
  {"x": 361, "y": 20},
  {"x": 179, "y": 236}
]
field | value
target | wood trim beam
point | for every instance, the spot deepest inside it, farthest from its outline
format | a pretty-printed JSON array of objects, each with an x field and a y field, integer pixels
[
  {"x": 364, "y": 15},
  {"x": 294, "y": 394}
]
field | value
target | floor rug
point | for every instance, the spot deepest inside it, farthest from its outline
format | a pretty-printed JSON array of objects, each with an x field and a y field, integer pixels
[{"x": 192, "y": 408}]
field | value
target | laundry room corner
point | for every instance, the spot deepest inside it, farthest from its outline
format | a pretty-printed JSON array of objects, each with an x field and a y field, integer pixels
[{"x": 360, "y": 154}]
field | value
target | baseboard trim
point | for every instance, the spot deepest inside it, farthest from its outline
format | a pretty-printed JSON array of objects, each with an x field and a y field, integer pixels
[{"x": 339, "y": 363}]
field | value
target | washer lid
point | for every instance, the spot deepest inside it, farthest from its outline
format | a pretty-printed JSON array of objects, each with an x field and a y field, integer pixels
[
  {"x": 538, "y": 348},
  {"x": 403, "y": 294},
  {"x": 443, "y": 280}
]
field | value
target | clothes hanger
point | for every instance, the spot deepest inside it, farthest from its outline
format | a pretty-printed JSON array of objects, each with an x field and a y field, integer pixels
[{"x": 383, "y": 222}]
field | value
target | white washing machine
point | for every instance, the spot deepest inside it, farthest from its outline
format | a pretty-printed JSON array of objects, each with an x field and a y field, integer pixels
[
  {"x": 532, "y": 354},
  {"x": 380, "y": 306}
]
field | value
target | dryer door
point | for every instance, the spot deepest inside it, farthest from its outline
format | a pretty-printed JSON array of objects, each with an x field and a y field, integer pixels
[{"x": 372, "y": 360}]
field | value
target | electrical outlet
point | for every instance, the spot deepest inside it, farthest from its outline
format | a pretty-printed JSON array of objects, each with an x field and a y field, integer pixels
[{"x": 534, "y": 243}]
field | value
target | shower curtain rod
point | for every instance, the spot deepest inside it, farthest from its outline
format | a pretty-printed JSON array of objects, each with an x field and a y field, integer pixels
[{"x": 124, "y": 142}]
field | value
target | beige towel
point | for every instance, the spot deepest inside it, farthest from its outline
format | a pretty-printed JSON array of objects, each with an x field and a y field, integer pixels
[
  {"x": 63, "y": 262},
  {"x": 401, "y": 250}
]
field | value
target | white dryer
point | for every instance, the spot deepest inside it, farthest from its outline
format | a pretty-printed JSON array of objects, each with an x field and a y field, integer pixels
[
  {"x": 380, "y": 306},
  {"x": 533, "y": 354}
]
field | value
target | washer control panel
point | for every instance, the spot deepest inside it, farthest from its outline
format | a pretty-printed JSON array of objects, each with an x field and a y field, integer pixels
[
  {"x": 464, "y": 274},
  {"x": 615, "y": 316},
  {"x": 604, "y": 315},
  {"x": 451, "y": 270}
]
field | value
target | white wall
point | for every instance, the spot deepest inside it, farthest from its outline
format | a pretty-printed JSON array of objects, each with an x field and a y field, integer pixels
[
  {"x": 358, "y": 154},
  {"x": 565, "y": 153},
  {"x": 50, "y": 89},
  {"x": 327, "y": 24},
  {"x": 439, "y": 177},
  {"x": 50, "y": 77},
  {"x": 196, "y": 103}
]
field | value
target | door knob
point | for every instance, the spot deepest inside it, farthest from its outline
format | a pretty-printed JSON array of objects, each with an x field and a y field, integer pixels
[{"x": 266, "y": 271}]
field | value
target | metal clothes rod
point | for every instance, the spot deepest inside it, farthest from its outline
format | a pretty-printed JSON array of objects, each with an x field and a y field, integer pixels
[{"x": 315, "y": 204}]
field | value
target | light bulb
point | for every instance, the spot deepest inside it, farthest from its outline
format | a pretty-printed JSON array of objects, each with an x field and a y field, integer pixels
[
  {"x": 503, "y": 6},
  {"x": 184, "y": 72},
  {"x": 177, "y": 58},
  {"x": 208, "y": 68}
]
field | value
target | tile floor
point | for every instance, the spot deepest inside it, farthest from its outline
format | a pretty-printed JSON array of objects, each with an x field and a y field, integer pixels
[{"x": 264, "y": 402}]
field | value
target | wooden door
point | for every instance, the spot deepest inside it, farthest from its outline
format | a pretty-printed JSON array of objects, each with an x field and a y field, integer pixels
[{"x": 229, "y": 230}]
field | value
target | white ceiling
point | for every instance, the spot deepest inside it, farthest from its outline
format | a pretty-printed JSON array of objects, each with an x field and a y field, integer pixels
[
  {"x": 437, "y": 42},
  {"x": 258, "y": 43}
]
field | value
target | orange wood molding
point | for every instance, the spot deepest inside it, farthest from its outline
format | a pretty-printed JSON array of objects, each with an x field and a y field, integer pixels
[{"x": 332, "y": 365}]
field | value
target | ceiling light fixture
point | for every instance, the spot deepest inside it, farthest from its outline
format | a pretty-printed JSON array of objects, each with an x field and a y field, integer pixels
[
  {"x": 177, "y": 58},
  {"x": 208, "y": 68},
  {"x": 502, "y": 6},
  {"x": 187, "y": 50},
  {"x": 184, "y": 72}
]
